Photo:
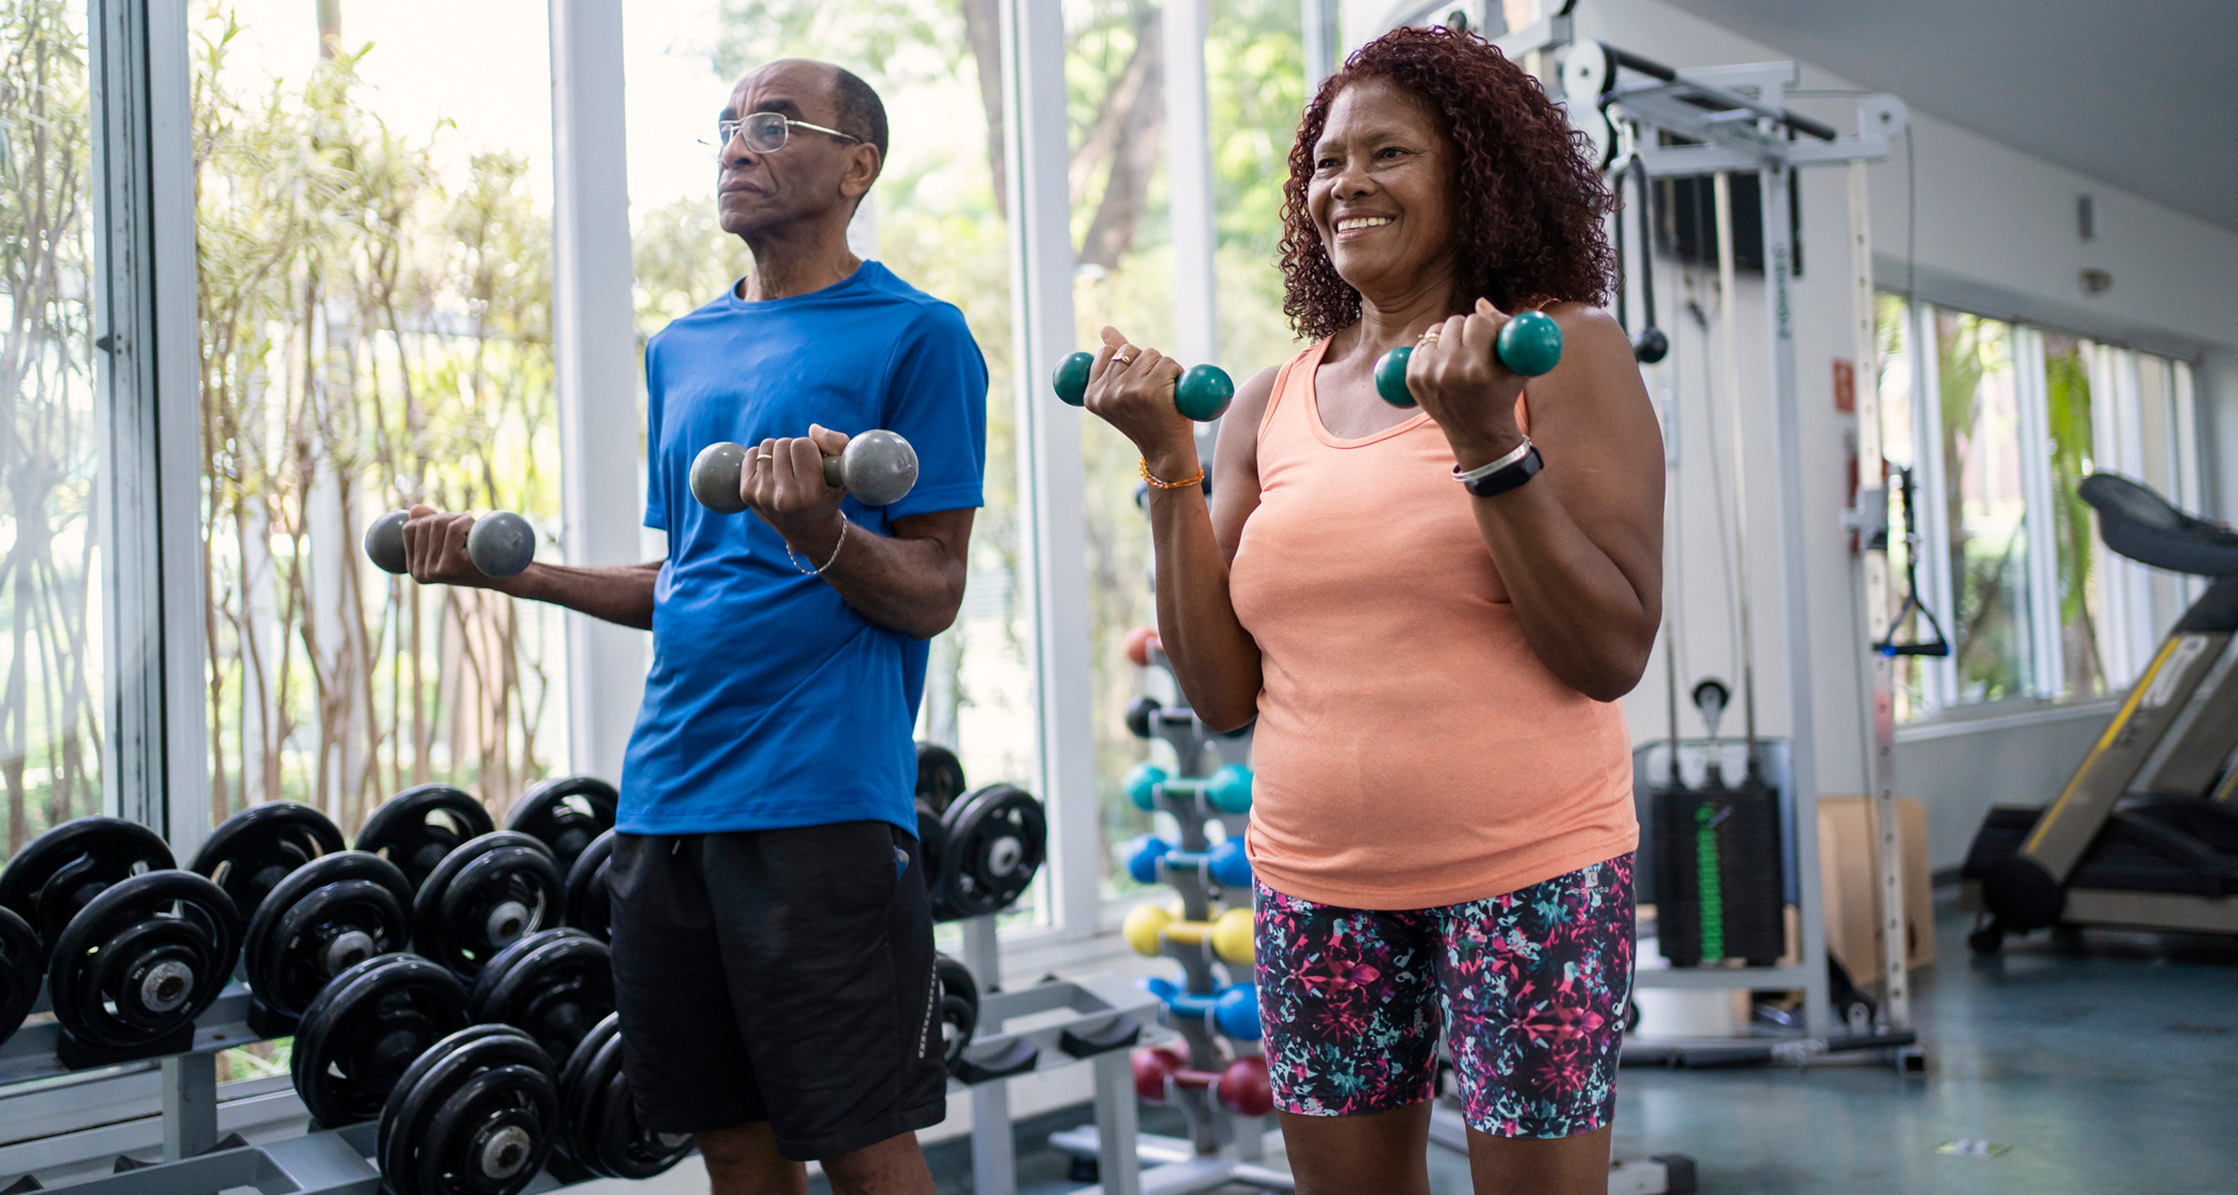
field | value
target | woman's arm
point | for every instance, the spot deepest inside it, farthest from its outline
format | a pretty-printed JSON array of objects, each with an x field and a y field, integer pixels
[
  {"x": 1579, "y": 547},
  {"x": 1215, "y": 660}
]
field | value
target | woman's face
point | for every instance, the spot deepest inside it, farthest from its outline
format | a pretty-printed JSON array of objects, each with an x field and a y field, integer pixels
[{"x": 1382, "y": 192}]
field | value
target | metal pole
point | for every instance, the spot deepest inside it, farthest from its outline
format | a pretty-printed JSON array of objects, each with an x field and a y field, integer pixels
[
  {"x": 1779, "y": 255},
  {"x": 1880, "y": 769},
  {"x": 594, "y": 338},
  {"x": 190, "y": 1105}
]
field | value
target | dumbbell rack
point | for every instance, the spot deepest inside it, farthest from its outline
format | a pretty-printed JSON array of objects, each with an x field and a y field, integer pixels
[
  {"x": 1105, "y": 1015},
  {"x": 1223, "y": 1148},
  {"x": 196, "y": 1161}
]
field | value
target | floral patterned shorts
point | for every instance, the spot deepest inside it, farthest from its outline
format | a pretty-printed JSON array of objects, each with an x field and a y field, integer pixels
[{"x": 1529, "y": 988}]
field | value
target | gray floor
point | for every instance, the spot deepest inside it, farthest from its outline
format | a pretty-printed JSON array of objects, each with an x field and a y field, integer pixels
[{"x": 2112, "y": 1068}]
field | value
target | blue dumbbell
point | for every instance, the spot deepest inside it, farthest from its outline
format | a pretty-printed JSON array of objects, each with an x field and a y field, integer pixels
[
  {"x": 1234, "y": 1010},
  {"x": 1224, "y": 865},
  {"x": 1227, "y": 790}
]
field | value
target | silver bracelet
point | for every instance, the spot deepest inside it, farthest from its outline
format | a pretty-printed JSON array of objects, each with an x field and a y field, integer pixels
[
  {"x": 841, "y": 542},
  {"x": 1512, "y": 456}
]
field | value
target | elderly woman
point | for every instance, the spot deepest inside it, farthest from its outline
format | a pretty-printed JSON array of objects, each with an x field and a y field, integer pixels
[{"x": 1431, "y": 614}]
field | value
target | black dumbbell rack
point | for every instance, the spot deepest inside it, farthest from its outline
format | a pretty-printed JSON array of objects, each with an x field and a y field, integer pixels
[{"x": 1223, "y": 1148}]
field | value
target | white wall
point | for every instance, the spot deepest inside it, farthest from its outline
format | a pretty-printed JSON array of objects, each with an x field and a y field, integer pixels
[{"x": 1995, "y": 231}]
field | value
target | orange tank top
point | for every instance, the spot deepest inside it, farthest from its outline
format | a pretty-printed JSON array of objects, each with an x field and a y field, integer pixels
[{"x": 1411, "y": 750}]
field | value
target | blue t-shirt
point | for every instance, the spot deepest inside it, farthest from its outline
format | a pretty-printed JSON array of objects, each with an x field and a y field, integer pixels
[{"x": 771, "y": 702}]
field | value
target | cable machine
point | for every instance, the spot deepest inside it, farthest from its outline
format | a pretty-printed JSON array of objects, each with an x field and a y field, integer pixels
[{"x": 1721, "y": 122}]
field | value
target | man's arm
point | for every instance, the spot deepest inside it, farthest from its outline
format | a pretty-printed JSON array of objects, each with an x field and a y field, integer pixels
[
  {"x": 911, "y": 581},
  {"x": 435, "y": 550}
]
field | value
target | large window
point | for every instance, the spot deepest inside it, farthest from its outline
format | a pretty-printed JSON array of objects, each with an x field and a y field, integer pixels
[
  {"x": 1255, "y": 79},
  {"x": 51, "y": 680},
  {"x": 373, "y": 228},
  {"x": 2000, "y": 424}
]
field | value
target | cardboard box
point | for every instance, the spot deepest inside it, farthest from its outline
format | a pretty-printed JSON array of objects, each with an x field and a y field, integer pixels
[{"x": 1847, "y": 878}]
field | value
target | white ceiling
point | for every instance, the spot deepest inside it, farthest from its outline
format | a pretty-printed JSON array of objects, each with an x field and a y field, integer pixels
[{"x": 2143, "y": 96}]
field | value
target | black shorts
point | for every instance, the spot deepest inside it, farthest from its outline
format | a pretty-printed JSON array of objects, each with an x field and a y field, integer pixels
[{"x": 779, "y": 975}]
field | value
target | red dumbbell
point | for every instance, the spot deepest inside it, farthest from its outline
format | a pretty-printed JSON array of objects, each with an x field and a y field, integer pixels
[
  {"x": 1139, "y": 642},
  {"x": 1241, "y": 1087}
]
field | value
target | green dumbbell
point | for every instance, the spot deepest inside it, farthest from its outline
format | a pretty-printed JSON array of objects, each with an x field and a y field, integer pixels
[
  {"x": 499, "y": 544},
  {"x": 1227, "y": 790},
  {"x": 878, "y": 467},
  {"x": 1202, "y": 394},
  {"x": 1529, "y": 344}
]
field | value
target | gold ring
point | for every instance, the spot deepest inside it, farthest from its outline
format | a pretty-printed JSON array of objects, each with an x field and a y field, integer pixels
[
  {"x": 763, "y": 456},
  {"x": 1121, "y": 359},
  {"x": 1431, "y": 336}
]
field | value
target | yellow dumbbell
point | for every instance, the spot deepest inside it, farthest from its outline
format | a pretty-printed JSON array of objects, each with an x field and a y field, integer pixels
[{"x": 1230, "y": 933}]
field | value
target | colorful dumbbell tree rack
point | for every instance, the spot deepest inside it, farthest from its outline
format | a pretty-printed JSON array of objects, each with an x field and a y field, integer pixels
[{"x": 1216, "y": 1073}]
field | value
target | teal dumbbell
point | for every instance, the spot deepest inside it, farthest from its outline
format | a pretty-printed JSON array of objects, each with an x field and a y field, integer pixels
[
  {"x": 1225, "y": 865},
  {"x": 1202, "y": 394},
  {"x": 1235, "y": 1008},
  {"x": 1227, "y": 790},
  {"x": 1529, "y": 344}
]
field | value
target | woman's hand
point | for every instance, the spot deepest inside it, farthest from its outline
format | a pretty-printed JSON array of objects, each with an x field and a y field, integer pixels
[
  {"x": 1132, "y": 388},
  {"x": 1457, "y": 378}
]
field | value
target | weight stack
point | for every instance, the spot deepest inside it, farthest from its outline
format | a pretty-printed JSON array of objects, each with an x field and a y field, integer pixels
[{"x": 1720, "y": 889}]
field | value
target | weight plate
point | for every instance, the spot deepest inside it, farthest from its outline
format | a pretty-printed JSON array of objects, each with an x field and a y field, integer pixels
[
  {"x": 476, "y": 1112},
  {"x": 365, "y": 1028},
  {"x": 256, "y": 848},
  {"x": 553, "y": 985},
  {"x": 993, "y": 842},
  {"x": 598, "y": 1120},
  {"x": 940, "y": 777},
  {"x": 324, "y": 918},
  {"x": 417, "y": 827},
  {"x": 60, "y": 871},
  {"x": 566, "y": 815},
  {"x": 20, "y": 959},
  {"x": 958, "y": 994},
  {"x": 489, "y": 893},
  {"x": 588, "y": 906},
  {"x": 143, "y": 958}
]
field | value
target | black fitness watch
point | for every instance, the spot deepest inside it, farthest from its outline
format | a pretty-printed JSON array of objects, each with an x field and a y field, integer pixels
[{"x": 1507, "y": 473}]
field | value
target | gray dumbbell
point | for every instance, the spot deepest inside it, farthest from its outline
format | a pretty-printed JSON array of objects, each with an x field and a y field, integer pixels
[
  {"x": 500, "y": 544},
  {"x": 877, "y": 467}
]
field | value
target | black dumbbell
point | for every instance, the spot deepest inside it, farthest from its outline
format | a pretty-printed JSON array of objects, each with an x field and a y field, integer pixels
[
  {"x": 877, "y": 467},
  {"x": 499, "y": 544}
]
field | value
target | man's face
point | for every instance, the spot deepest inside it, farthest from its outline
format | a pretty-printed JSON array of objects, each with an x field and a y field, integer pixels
[{"x": 759, "y": 194}]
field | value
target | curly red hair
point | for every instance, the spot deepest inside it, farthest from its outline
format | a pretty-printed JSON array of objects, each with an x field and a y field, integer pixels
[{"x": 1529, "y": 199}]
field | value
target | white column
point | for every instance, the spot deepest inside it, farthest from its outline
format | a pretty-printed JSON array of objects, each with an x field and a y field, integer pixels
[
  {"x": 595, "y": 349},
  {"x": 1050, "y": 475},
  {"x": 1795, "y": 604},
  {"x": 1324, "y": 41},
  {"x": 1196, "y": 332}
]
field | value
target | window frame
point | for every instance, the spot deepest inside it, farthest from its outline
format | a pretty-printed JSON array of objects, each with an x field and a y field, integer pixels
[{"x": 2131, "y": 631}]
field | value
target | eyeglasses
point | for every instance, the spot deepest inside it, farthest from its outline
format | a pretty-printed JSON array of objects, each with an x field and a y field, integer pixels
[{"x": 767, "y": 132}]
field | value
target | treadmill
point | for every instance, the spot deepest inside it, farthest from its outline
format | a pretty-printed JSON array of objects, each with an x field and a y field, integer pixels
[{"x": 2145, "y": 834}]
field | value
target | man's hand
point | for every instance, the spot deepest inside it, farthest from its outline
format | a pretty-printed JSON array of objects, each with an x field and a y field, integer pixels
[
  {"x": 435, "y": 550},
  {"x": 783, "y": 484}
]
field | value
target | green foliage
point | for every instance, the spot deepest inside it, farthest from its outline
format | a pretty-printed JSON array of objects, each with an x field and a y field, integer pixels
[
  {"x": 374, "y": 334},
  {"x": 2068, "y": 404}
]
